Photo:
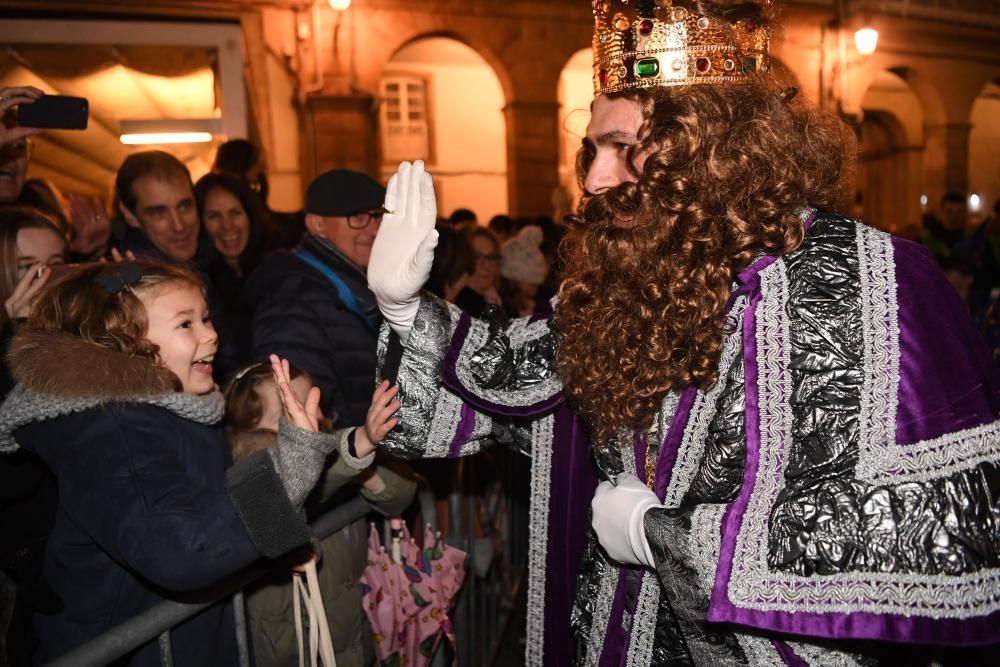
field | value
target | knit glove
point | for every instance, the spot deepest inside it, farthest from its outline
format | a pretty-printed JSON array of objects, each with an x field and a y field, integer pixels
[
  {"x": 300, "y": 458},
  {"x": 403, "y": 253},
  {"x": 617, "y": 513}
]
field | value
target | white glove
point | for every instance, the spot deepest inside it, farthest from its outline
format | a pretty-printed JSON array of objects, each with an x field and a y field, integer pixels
[
  {"x": 617, "y": 513},
  {"x": 403, "y": 253}
]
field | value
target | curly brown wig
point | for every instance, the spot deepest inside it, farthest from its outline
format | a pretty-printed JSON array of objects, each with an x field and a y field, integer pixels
[{"x": 641, "y": 309}]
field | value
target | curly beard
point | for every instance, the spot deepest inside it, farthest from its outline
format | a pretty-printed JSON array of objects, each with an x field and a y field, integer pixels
[
  {"x": 642, "y": 305},
  {"x": 640, "y": 311}
]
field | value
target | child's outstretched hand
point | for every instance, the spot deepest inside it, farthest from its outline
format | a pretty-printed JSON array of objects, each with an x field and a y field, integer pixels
[
  {"x": 379, "y": 421},
  {"x": 306, "y": 417}
]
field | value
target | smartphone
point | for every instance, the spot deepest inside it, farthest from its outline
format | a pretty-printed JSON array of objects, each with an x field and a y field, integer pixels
[
  {"x": 56, "y": 112},
  {"x": 60, "y": 271}
]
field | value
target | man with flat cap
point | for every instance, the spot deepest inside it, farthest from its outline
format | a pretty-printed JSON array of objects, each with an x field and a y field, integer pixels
[{"x": 313, "y": 306}]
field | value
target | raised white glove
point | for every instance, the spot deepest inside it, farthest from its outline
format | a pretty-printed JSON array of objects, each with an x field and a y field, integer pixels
[
  {"x": 617, "y": 513},
  {"x": 403, "y": 253}
]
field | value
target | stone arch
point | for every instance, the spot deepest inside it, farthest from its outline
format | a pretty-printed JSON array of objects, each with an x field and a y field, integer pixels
[
  {"x": 500, "y": 70},
  {"x": 891, "y": 154},
  {"x": 576, "y": 90},
  {"x": 441, "y": 101},
  {"x": 984, "y": 146},
  {"x": 927, "y": 92},
  {"x": 529, "y": 84}
]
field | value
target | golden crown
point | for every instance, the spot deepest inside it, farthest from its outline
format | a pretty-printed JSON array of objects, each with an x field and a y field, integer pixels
[{"x": 646, "y": 43}]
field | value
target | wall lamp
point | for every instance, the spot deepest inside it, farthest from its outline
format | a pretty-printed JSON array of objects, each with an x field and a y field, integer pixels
[
  {"x": 339, "y": 5},
  {"x": 866, "y": 40},
  {"x": 169, "y": 131}
]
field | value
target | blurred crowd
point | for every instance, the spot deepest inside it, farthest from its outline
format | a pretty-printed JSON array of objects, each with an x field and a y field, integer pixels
[
  {"x": 969, "y": 253},
  {"x": 274, "y": 283}
]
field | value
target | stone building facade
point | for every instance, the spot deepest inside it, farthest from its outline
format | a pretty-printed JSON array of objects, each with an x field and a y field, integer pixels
[{"x": 330, "y": 63}]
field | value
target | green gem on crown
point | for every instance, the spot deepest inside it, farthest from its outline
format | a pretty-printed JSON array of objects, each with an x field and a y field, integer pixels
[{"x": 647, "y": 67}]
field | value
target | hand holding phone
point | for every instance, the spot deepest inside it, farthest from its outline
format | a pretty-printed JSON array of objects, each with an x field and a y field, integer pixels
[{"x": 10, "y": 130}]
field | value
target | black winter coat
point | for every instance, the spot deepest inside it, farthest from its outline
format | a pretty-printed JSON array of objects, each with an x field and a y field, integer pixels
[
  {"x": 298, "y": 315},
  {"x": 149, "y": 508}
]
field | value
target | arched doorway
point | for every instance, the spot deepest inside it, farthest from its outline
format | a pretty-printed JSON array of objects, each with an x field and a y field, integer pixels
[
  {"x": 891, "y": 147},
  {"x": 441, "y": 102},
  {"x": 576, "y": 91},
  {"x": 984, "y": 150}
]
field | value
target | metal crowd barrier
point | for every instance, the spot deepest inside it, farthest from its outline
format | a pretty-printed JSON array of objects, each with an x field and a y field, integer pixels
[
  {"x": 157, "y": 621},
  {"x": 490, "y": 502}
]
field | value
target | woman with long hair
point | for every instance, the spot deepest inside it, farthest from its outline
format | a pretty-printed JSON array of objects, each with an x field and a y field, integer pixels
[
  {"x": 31, "y": 241},
  {"x": 237, "y": 225}
]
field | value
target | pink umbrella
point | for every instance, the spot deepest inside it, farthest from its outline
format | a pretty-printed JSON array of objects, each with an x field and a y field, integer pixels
[{"x": 407, "y": 595}]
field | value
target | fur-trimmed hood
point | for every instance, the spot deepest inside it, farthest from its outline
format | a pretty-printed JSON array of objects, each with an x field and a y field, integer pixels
[
  {"x": 58, "y": 374},
  {"x": 66, "y": 366}
]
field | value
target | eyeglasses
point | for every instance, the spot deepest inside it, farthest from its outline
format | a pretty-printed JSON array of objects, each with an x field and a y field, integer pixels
[{"x": 362, "y": 220}]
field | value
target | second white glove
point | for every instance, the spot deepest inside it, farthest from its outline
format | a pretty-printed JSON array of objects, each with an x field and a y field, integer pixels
[
  {"x": 617, "y": 516},
  {"x": 403, "y": 252}
]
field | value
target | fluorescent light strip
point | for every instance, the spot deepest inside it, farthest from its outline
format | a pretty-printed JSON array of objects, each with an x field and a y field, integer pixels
[{"x": 166, "y": 138}]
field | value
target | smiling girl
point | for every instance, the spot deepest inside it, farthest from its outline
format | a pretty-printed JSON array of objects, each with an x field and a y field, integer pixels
[{"x": 115, "y": 395}]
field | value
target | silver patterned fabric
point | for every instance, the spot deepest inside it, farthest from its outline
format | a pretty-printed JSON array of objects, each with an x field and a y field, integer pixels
[{"x": 827, "y": 518}]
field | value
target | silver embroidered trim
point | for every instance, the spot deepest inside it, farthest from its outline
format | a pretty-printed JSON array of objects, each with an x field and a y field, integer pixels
[
  {"x": 666, "y": 414},
  {"x": 628, "y": 461},
  {"x": 640, "y": 648},
  {"x": 880, "y": 390},
  {"x": 520, "y": 333},
  {"x": 950, "y": 453},
  {"x": 692, "y": 446},
  {"x": 602, "y": 610},
  {"x": 881, "y": 459},
  {"x": 752, "y": 585},
  {"x": 482, "y": 428},
  {"x": 760, "y": 652},
  {"x": 444, "y": 424},
  {"x": 704, "y": 543},
  {"x": 819, "y": 656},
  {"x": 538, "y": 536}
]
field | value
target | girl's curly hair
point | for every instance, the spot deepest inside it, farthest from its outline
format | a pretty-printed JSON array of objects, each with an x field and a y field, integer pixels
[
  {"x": 79, "y": 305},
  {"x": 726, "y": 170}
]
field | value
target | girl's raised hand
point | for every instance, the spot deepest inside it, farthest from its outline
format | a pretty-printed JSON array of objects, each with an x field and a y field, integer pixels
[
  {"x": 18, "y": 304},
  {"x": 380, "y": 419},
  {"x": 307, "y": 416}
]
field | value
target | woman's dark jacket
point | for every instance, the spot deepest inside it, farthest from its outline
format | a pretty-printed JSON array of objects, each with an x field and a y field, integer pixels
[
  {"x": 298, "y": 315},
  {"x": 147, "y": 509},
  {"x": 230, "y": 308}
]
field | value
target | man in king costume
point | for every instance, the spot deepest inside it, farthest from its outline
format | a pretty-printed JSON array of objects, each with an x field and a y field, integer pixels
[{"x": 761, "y": 433}]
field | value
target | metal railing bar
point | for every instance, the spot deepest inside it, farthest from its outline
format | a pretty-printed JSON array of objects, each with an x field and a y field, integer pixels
[
  {"x": 157, "y": 620},
  {"x": 166, "y": 650},
  {"x": 242, "y": 630}
]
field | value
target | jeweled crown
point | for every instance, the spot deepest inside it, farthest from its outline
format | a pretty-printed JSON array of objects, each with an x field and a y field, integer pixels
[{"x": 647, "y": 43}]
